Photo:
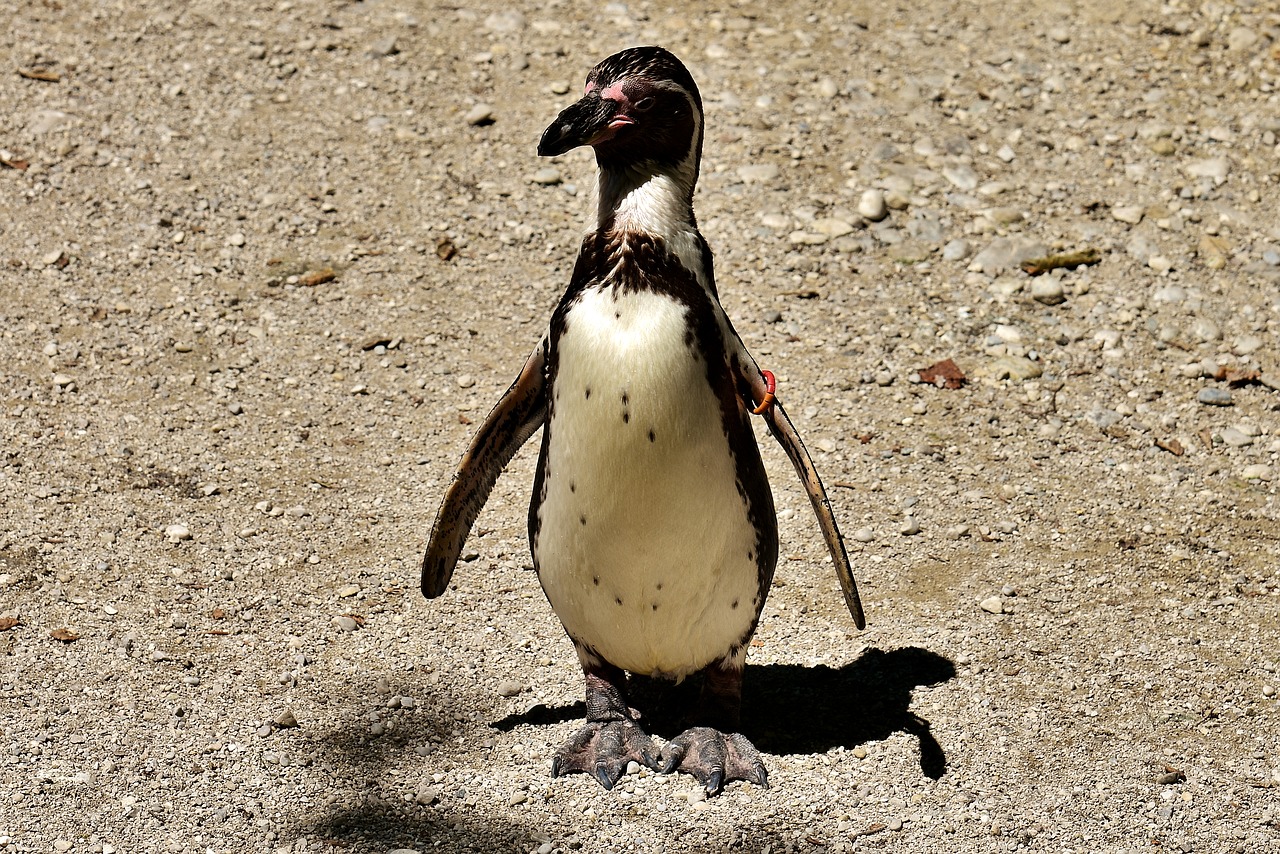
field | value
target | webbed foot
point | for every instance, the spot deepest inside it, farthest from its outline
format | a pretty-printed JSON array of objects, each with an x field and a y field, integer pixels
[
  {"x": 603, "y": 749},
  {"x": 714, "y": 758}
]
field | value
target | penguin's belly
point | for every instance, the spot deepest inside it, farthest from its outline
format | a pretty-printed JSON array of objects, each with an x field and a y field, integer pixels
[{"x": 645, "y": 547}]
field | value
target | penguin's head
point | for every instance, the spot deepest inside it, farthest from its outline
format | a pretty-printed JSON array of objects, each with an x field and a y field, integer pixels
[{"x": 640, "y": 106}]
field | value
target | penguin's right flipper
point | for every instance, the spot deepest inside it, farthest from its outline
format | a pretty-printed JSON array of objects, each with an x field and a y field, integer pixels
[
  {"x": 785, "y": 432},
  {"x": 515, "y": 418}
]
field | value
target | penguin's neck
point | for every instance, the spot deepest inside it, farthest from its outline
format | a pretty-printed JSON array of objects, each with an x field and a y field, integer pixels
[
  {"x": 645, "y": 197},
  {"x": 654, "y": 200}
]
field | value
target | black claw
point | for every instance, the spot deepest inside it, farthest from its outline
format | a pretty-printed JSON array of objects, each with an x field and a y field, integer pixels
[
  {"x": 715, "y": 782},
  {"x": 606, "y": 779}
]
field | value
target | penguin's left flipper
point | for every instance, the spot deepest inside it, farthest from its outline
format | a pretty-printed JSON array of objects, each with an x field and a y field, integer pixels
[
  {"x": 714, "y": 758},
  {"x": 516, "y": 417},
  {"x": 785, "y": 433}
]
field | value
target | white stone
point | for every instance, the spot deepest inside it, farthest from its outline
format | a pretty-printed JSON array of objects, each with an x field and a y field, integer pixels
[
  {"x": 758, "y": 173},
  {"x": 1131, "y": 214},
  {"x": 177, "y": 533},
  {"x": 872, "y": 205}
]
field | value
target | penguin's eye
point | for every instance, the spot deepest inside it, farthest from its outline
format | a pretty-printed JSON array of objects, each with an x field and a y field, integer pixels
[{"x": 645, "y": 104}]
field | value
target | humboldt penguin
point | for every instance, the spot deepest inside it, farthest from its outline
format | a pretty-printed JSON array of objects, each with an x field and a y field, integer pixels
[{"x": 652, "y": 525}]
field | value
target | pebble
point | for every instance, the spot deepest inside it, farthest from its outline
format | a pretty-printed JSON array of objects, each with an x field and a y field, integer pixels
[
  {"x": 1048, "y": 290},
  {"x": 992, "y": 605},
  {"x": 511, "y": 687},
  {"x": 62, "y": 844},
  {"x": 480, "y": 114},
  {"x": 1205, "y": 329},
  {"x": 1132, "y": 214},
  {"x": 758, "y": 173},
  {"x": 1241, "y": 39},
  {"x": 177, "y": 533},
  {"x": 1215, "y": 167},
  {"x": 1005, "y": 252},
  {"x": 236, "y": 239},
  {"x": 961, "y": 176},
  {"x": 347, "y": 624},
  {"x": 348, "y": 591},
  {"x": 1257, "y": 471},
  {"x": 956, "y": 250},
  {"x": 832, "y": 227},
  {"x": 547, "y": 177},
  {"x": 383, "y": 47},
  {"x": 1015, "y": 368},
  {"x": 872, "y": 206},
  {"x": 63, "y": 380},
  {"x": 1268, "y": 691},
  {"x": 1236, "y": 438},
  {"x": 465, "y": 381},
  {"x": 864, "y": 535},
  {"x": 517, "y": 798},
  {"x": 1215, "y": 397},
  {"x": 285, "y": 720},
  {"x": 427, "y": 796},
  {"x": 910, "y": 527}
]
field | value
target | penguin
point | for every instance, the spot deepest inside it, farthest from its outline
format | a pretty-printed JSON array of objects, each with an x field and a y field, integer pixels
[{"x": 652, "y": 525}]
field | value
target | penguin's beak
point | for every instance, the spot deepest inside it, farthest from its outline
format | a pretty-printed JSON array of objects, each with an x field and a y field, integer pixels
[{"x": 590, "y": 121}]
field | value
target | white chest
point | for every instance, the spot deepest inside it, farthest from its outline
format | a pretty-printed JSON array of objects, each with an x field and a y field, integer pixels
[{"x": 645, "y": 547}]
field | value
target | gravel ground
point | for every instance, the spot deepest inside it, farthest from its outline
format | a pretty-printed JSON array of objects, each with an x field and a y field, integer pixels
[{"x": 266, "y": 265}]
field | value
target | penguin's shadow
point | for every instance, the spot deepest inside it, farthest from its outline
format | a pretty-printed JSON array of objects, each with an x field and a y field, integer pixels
[{"x": 792, "y": 709}]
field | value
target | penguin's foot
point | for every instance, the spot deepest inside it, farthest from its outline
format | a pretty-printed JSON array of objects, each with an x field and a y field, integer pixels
[
  {"x": 714, "y": 758},
  {"x": 603, "y": 749}
]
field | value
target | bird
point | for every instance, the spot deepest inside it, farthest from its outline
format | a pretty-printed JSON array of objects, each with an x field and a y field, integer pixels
[{"x": 652, "y": 525}]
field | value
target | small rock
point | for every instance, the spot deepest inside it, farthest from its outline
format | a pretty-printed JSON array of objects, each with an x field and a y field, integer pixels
[
  {"x": 383, "y": 47},
  {"x": 479, "y": 115},
  {"x": 547, "y": 177},
  {"x": 1015, "y": 368},
  {"x": 909, "y": 527},
  {"x": 1236, "y": 438},
  {"x": 961, "y": 176},
  {"x": 864, "y": 535},
  {"x": 1257, "y": 471},
  {"x": 511, "y": 687},
  {"x": 347, "y": 624},
  {"x": 1215, "y": 397},
  {"x": 1048, "y": 290},
  {"x": 63, "y": 380},
  {"x": 348, "y": 591},
  {"x": 992, "y": 605},
  {"x": 1205, "y": 329},
  {"x": 285, "y": 720},
  {"x": 1215, "y": 167},
  {"x": 517, "y": 798},
  {"x": 832, "y": 227},
  {"x": 465, "y": 381},
  {"x": 1132, "y": 214},
  {"x": 1241, "y": 39},
  {"x": 427, "y": 796},
  {"x": 62, "y": 844},
  {"x": 758, "y": 173},
  {"x": 177, "y": 533},
  {"x": 956, "y": 250},
  {"x": 872, "y": 205}
]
